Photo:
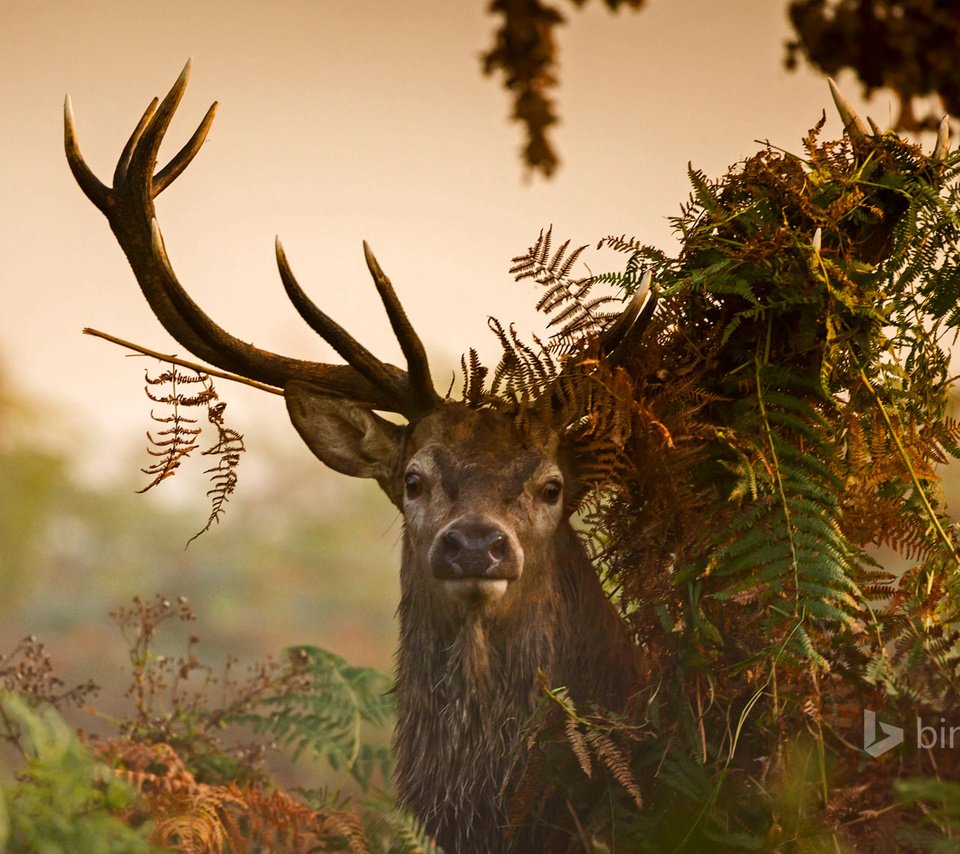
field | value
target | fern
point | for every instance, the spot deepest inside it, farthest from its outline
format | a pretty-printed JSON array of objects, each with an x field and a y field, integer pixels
[
  {"x": 785, "y": 412},
  {"x": 790, "y": 406},
  {"x": 407, "y": 833},
  {"x": 524, "y": 373},
  {"x": 566, "y": 300},
  {"x": 324, "y": 711},
  {"x": 940, "y": 826},
  {"x": 168, "y": 778},
  {"x": 616, "y": 763},
  {"x": 789, "y": 546},
  {"x": 63, "y": 799},
  {"x": 474, "y": 379},
  {"x": 223, "y": 476},
  {"x": 173, "y": 444}
]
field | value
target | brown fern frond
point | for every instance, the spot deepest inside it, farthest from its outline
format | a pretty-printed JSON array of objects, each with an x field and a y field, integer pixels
[
  {"x": 474, "y": 377},
  {"x": 560, "y": 265},
  {"x": 223, "y": 476},
  {"x": 523, "y": 374},
  {"x": 621, "y": 243},
  {"x": 600, "y": 412},
  {"x": 565, "y": 300},
  {"x": 578, "y": 744},
  {"x": 616, "y": 763},
  {"x": 201, "y": 818},
  {"x": 174, "y": 378},
  {"x": 878, "y": 591},
  {"x": 275, "y": 821},
  {"x": 557, "y": 294},
  {"x": 198, "y": 822},
  {"x": 152, "y": 769},
  {"x": 536, "y": 255},
  {"x": 530, "y": 796},
  {"x": 174, "y": 444},
  {"x": 873, "y": 516}
]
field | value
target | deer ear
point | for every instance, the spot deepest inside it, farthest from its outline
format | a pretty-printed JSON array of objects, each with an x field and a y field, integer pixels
[{"x": 345, "y": 436}]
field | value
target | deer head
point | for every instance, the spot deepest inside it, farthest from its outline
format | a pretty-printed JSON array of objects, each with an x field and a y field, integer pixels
[
  {"x": 495, "y": 585},
  {"x": 473, "y": 510}
]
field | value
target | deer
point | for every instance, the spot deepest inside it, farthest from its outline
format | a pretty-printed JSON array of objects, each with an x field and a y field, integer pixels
[{"x": 498, "y": 592}]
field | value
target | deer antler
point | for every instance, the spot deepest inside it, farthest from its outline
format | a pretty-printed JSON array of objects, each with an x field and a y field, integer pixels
[
  {"x": 616, "y": 339},
  {"x": 129, "y": 208},
  {"x": 852, "y": 123}
]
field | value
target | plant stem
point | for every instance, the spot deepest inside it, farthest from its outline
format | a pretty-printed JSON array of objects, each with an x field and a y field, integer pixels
[
  {"x": 183, "y": 363},
  {"x": 931, "y": 513}
]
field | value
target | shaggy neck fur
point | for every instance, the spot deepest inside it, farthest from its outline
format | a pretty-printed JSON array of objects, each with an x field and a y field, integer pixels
[{"x": 467, "y": 683}]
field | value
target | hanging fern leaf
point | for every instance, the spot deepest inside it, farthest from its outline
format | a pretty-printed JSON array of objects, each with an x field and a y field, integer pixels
[
  {"x": 223, "y": 476},
  {"x": 178, "y": 439}
]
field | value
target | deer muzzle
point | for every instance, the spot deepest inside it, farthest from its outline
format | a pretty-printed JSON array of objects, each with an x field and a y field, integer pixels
[{"x": 476, "y": 552}]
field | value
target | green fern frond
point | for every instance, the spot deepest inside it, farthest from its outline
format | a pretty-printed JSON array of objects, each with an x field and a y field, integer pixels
[{"x": 325, "y": 714}]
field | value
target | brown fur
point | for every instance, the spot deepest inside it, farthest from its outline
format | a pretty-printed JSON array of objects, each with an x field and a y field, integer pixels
[
  {"x": 468, "y": 666},
  {"x": 466, "y": 687},
  {"x": 467, "y": 677}
]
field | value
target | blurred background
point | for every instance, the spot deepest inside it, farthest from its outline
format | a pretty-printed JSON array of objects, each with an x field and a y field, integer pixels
[{"x": 339, "y": 120}]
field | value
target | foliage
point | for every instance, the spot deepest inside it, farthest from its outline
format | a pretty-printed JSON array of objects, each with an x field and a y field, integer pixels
[
  {"x": 176, "y": 438},
  {"x": 790, "y": 407},
  {"x": 581, "y": 758},
  {"x": 324, "y": 712},
  {"x": 63, "y": 800},
  {"x": 525, "y": 52},
  {"x": 28, "y": 673},
  {"x": 786, "y": 410},
  {"x": 188, "y": 772},
  {"x": 566, "y": 300},
  {"x": 940, "y": 825},
  {"x": 908, "y": 46}
]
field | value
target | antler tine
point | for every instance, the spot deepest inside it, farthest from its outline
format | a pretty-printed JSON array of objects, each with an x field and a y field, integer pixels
[
  {"x": 145, "y": 140},
  {"x": 632, "y": 322},
  {"x": 123, "y": 163},
  {"x": 93, "y": 188},
  {"x": 942, "y": 145},
  {"x": 423, "y": 394},
  {"x": 852, "y": 124},
  {"x": 182, "y": 159},
  {"x": 190, "y": 325},
  {"x": 381, "y": 375},
  {"x": 143, "y": 157}
]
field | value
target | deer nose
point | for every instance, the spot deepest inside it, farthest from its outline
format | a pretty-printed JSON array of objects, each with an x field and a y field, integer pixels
[
  {"x": 474, "y": 548},
  {"x": 489, "y": 546}
]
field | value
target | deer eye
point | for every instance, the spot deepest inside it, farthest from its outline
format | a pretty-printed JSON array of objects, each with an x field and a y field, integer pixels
[
  {"x": 413, "y": 485},
  {"x": 551, "y": 491}
]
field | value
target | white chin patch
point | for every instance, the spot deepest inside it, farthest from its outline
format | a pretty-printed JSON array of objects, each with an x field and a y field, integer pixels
[{"x": 476, "y": 591}]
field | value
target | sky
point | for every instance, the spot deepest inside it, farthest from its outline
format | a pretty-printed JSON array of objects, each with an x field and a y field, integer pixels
[{"x": 339, "y": 121}]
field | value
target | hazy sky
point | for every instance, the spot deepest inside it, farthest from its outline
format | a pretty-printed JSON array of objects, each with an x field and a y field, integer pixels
[{"x": 343, "y": 120}]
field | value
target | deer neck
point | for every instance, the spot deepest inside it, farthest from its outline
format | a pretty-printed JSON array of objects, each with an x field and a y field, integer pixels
[{"x": 467, "y": 682}]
